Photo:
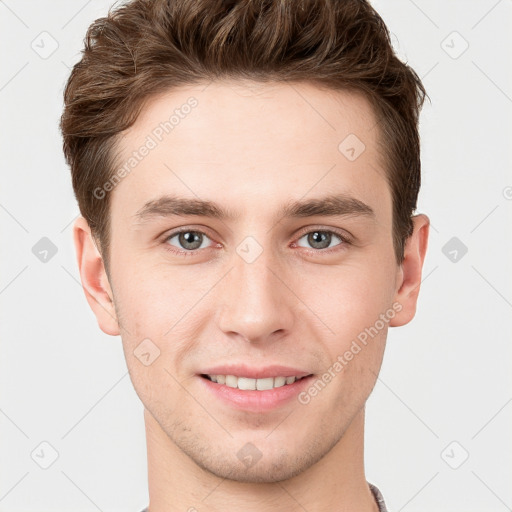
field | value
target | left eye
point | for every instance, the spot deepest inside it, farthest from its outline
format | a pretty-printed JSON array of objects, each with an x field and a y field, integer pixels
[
  {"x": 320, "y": 239},
  {"x": 189, "y": 240}
]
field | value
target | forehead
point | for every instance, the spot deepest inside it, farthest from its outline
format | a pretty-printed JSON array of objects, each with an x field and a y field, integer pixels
[{"x": 245, "y": 142}]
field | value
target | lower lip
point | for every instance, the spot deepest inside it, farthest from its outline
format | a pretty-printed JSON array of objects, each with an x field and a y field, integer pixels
[{"x": 254, "y": 400}]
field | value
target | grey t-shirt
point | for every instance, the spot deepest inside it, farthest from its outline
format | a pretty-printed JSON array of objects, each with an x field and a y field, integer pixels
[
  {"x": 376, "y": 493},
  {"x": 378, "y": 498}
]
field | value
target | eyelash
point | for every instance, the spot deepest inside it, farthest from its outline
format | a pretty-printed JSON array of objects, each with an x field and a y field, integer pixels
[{"x": 345, "y": 240}]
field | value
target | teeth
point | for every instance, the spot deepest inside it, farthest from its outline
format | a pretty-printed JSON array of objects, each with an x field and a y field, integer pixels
[
  {"x": 264, "y": 384},
  {"x": 281, "y": 381},
  {"x": 231, "y": 381},
  {"x": 245, "y": 383}
]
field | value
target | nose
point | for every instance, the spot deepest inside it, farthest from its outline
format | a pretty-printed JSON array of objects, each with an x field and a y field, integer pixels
[{"x": 256, "y": 301}]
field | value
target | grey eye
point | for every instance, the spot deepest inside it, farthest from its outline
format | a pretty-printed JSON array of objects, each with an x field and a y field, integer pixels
[
  {"x": 189, "y": 240},
  {"x": 319, "y": 239}
]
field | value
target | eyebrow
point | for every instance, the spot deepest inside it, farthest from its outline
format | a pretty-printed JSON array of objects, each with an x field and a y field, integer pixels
[{"x": 329, "y": 206}]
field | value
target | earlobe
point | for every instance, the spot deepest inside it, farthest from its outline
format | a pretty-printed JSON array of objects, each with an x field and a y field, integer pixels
[
  {"x": 94, "y": 278},
  {"x": 408, "y": 286}
]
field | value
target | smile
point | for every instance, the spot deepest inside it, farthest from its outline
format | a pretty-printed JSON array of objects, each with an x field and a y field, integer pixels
[{"x": 247, "y": 384}]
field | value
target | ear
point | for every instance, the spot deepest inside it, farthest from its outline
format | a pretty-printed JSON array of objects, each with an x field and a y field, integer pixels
[
  {"x": 409, "y": 275},
  {"x": 94, "y": 278}
]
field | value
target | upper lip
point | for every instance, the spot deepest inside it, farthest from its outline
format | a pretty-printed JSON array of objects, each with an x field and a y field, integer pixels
[{"x": 242, "y": 370}]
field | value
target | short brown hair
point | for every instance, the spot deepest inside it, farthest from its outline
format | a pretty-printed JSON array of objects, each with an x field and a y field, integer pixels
[{"x": 145, "y": 47}]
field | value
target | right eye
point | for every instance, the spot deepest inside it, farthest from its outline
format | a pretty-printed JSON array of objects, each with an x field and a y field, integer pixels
[{"x": 187, "y": 240}]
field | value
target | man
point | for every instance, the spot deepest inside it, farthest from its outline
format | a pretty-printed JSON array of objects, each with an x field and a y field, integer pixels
[{"x": 247, "y": 173}]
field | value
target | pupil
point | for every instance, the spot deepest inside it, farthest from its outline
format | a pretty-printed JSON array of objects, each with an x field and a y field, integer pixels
[
  {"x": 190, "y": 238},
  {"x": 320, "y": 237}
]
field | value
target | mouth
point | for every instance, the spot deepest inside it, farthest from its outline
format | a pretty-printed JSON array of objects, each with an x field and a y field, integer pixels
[
  {"x": 255, "y": 395},
  {"x": 248, "y": 384}
]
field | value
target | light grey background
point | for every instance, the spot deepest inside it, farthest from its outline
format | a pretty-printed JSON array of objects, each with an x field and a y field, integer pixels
[{"x": 445, "y": 387}]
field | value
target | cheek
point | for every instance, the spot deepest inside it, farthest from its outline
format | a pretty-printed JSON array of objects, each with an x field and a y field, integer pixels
[
  {"x": 353, "y": 300},
  {"x": 152, "y": 299},
  {"x": 154, "y": 341},
  {"x": 355, "y": 341},
  {"x": 356, "y": 346},
  {"x": 158, "y": 313}
]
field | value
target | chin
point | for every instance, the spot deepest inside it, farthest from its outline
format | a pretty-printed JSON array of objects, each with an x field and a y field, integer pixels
[
  {"x": 249, "y": 464},
  {"x": 262, "y": 472}
]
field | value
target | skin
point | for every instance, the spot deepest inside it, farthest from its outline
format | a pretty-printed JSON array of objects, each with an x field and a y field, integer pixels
[{"x": 253, "y": 148}]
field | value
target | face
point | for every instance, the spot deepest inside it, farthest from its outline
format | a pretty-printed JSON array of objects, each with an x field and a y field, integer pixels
[{"x": 254, "y": 240}]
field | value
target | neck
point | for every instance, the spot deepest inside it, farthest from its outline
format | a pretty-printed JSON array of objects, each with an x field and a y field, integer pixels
[{"x": 336, "y": 482}]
